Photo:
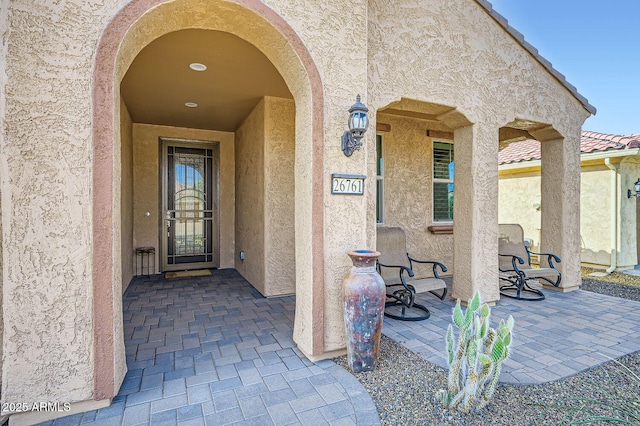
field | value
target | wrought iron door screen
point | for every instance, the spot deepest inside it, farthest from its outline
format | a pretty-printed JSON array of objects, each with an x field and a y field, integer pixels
[{"x": 190, "y": 214}]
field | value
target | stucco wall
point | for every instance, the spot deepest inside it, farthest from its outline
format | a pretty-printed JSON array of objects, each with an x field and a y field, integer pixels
[
  {"x": 249, "y": 175},
  {"x": 343, "y": 74},
  {"x": 520, "y": 190},
  {"x": 518, "y": 199},
  {"x": 449, "y": 52},
  {"x": 595, "y": 215},
  {"x": 126, "y": 207},
  {"x": 3, "y": 54},
  {"x": 146, "y": 178},
  {"x": 279, "y": 198},
  {"x": 453, "y": 54},
  {"x": 46, "y": 189},
  {"x": 628, "y": 243},
  {"x": 118, "y": 362},
  {"x": 408, "y": 187},
  {"x": 265, "y": 145},
  {"x": 50, "y": 77}
]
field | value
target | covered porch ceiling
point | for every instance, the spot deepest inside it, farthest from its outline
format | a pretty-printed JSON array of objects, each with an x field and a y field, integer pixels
[{"x": 160, "y": 81}]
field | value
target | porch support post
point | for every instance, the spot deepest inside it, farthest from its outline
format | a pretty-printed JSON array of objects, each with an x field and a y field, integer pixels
[
  {"x": 475, "y": 213},
  {"x": 560, "y": 200}
]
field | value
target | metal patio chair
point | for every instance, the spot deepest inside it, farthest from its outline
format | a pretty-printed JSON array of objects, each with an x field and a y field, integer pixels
[
  {"x": 519, "y": 280},
  {"x": 395, "y": 266}
]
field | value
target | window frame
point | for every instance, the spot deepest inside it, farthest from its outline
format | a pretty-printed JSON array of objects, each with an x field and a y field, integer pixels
[
  {"x": 435, "y": 180},
  {"x": 380, "y": 179}
]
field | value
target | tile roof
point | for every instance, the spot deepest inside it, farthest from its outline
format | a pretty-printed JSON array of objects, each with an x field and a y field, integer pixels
[
  {"x": 534, "y": 52},
  {"x": 589, "y": 142}
]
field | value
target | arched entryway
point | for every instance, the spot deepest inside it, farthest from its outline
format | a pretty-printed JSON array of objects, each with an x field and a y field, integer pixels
[{"x": 133, "y": 28}]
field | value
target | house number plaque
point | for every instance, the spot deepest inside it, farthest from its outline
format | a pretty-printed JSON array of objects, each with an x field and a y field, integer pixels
[{"x": 347, "y": 184}]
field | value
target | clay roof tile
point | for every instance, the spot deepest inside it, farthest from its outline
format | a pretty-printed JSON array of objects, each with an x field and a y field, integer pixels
[{"x": 589, "y": 142}]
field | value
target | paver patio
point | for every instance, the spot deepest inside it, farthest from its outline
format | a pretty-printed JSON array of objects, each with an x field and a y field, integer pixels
[
  {"x": 211, "y": 350},
  {"x": 557, "y": 337}
]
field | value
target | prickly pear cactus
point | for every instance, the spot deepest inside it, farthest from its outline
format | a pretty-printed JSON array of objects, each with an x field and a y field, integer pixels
[{"x": 475, "y": 361}]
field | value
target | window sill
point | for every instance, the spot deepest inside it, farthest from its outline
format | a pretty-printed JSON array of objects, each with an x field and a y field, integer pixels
[{"x": 441, "y": 229}]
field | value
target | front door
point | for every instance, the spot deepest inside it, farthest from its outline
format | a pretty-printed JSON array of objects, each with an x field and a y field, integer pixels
[{"x": 190, "y": 205}]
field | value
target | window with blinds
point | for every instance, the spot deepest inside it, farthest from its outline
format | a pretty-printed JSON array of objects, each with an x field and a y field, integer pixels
[{"x": 442, "y": 182}]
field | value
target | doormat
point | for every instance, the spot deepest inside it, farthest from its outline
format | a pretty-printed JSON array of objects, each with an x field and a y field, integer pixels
[{"x": 185, "y": 274}]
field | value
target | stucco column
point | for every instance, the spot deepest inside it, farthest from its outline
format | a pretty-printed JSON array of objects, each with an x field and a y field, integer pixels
[
  {"x": 345, "y": 226},
  {"x": 560, "y": 195},
  {"x": 475, "y": 213}
]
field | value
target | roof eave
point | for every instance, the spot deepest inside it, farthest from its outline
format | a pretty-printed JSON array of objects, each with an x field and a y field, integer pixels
[{"x": 534, "y": 53}]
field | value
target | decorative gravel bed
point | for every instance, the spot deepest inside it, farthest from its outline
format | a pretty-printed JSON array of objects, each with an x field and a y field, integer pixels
[
  {"x": 616, "y": 284},
  {"x": 404, "y": 386}
]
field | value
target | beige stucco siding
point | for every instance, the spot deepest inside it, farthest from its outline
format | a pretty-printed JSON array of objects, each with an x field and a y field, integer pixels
[
  {"x": 520, "y": 194},
  {"x": 118, "y": 362},
  {"x": 595, "y": 215},
  {"x": 338, "y": 46},
  {"x": 628, "y": 219},
  {"x": 279, "y": 201},
  {"x": 249, "y": 176},
  {"x": 451, "y": 52},
  {"x": 265, "y": 203},
  {"x": 46, "y": 189},
  {"x": 127, "y": 196},
  {"x": 56, "y": 216},
  {"x": 408, "y": 187},
  {"x": 519, "y": 202},
  {"x": 147, "y": 190},
  {"x": 3, "y": 165}
]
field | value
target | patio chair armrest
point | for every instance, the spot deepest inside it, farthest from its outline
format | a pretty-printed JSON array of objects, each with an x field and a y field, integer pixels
[
  {"x": 514, "y": 258},
  {"x": 403, "y": 281},
  {"x": 550, "y": 256},
  {"x": 434, "y": 263}
]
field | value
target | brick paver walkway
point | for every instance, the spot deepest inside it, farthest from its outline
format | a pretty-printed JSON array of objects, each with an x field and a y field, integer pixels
[
  {"x": 211, "y": 350},
  {"x": 557, "y": 337}
]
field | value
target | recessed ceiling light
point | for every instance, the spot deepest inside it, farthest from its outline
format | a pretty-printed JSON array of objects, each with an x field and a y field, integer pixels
[
  {"x": 191, "y": 104},
  {"x": 197, "y": 66}
]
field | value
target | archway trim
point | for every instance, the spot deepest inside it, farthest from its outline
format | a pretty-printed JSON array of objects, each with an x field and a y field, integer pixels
[{"x": 103, "y": 135}]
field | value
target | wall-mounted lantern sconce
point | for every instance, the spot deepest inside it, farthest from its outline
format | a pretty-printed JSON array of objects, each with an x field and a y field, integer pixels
[
  {"x": 636, "y": 188},
  {"x": 358, "y": 125}
]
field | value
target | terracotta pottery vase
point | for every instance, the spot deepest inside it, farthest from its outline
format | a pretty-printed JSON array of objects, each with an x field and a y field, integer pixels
[{"x": 363, "y": 292}]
